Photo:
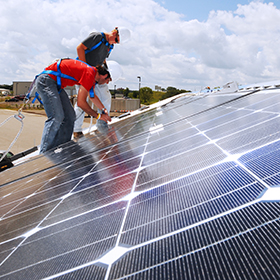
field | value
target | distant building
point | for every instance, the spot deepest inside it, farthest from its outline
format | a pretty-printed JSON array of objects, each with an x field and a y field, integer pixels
[{"x": 21, "y": 87}]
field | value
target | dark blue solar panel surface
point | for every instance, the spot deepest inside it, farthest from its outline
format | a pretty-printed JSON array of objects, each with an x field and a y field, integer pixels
[{"x": 174, "y": 192}]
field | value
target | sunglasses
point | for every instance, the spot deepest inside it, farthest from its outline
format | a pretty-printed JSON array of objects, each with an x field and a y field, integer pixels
[
  {"x": 108, "y": 77},
  {"x": 117, "y": 36}
]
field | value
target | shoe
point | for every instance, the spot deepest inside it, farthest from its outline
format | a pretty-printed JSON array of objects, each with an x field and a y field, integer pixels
[{"x": 78, "y": 135}]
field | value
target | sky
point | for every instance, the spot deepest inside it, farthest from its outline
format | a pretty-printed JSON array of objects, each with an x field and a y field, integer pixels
[{"x": 184, "y": 44}]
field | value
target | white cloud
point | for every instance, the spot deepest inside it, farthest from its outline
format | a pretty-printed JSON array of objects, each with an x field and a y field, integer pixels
[{"x": 164, "y": 49}]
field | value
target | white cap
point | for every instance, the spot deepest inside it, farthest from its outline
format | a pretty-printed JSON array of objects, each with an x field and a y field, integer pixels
[
  {"x": 124, "y": 34},
  {"x": 115, "y": 70}
]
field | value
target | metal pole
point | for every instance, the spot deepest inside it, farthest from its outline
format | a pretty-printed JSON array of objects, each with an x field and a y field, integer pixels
[{"x": 139, "y": 82}]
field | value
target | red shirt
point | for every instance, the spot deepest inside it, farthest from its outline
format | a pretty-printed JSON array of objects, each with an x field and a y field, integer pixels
[{"x": 83, "y": 73}]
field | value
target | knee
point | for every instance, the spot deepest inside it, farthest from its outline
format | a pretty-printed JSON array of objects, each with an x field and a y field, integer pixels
[
  {"x": 59, "y": 118},
  {"x": 56, "y": 119}
]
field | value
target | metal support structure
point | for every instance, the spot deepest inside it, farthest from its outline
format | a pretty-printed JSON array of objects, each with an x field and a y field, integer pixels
[{"x": 139, "y": 82}]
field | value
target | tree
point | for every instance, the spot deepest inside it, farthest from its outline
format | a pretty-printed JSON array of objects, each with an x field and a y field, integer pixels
[
  {"x": 145, "y": 95},
  {"x": 157, "y": 96},
  {"x": 171, "y": 91},
  {"x": 126, "y": 92},
  {"x": 10, "y": 87}
]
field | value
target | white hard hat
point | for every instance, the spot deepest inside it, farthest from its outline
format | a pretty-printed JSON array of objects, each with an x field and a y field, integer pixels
[
  {"x": 115, "y": 70},
  {"x": 124, "y": 34}
]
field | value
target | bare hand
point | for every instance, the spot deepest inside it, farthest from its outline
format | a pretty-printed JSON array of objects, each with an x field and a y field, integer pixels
[{"x": 105, "y": 117}]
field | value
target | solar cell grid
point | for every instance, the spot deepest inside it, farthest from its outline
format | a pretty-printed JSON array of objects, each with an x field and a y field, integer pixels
[
  {"x": 207, "y": 241},
  {"x": 24, "y": 170},
  {"x": 91, "y": 198},
  {"x": 190, "y": 203},
  {"x": 168, "y": 186},
  {"x": 171, "y": 134},
  {"x": 223, "y": 118},
  {"x": 39, "y": 198},
  {"x": 250, "y": 99},
  {"x": 264, "y": 101},
  {"x": 264, "y": 162},
  {"x": 251, "y": 138},
  {"x": 235, "y": 124},
  {"x": 213, "y": 114}
]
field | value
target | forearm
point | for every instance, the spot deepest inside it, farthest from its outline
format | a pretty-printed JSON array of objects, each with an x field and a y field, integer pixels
[
  {"x": 82, "y": 103},
  {"x": 96, "y": 101},
  {"x": 86, "y": 108}
]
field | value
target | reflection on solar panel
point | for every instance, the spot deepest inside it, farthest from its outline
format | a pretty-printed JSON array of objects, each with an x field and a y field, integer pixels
[{"x": 186, "y": 190}]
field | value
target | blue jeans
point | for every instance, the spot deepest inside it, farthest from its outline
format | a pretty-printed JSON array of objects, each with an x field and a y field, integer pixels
[{"x": 61, "y": 115}]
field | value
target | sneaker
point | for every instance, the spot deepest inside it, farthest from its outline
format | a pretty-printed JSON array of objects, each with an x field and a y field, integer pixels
[{"x": 78, "y": 135}]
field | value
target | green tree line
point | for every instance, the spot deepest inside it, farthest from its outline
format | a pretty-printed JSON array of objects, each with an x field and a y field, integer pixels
[
  {"x": 10, "y": 87},
  {"x": 147, "y": 96}
]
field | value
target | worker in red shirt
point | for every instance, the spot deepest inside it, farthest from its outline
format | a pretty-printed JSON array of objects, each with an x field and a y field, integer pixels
[{"x": 50, "y": 86}]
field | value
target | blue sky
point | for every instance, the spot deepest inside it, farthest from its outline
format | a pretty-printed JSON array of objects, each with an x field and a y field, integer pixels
[
  {"x": 185, "y": 44},
  {"x": 199, "y": 9}
]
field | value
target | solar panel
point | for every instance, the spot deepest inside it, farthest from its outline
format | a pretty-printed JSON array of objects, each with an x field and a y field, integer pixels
[{"x": 187, "y": 189}]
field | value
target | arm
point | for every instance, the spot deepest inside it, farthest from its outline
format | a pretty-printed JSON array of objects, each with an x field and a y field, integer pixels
[
  {"x": 82, "y": 103},
  {"x": 96, "y": 101},
  {"x": 81, "y": 52},
  {"x": 99, "y": 104}
]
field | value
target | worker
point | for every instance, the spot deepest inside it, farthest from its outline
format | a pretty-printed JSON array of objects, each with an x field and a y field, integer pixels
[
  {"x": 50, "y": 86},
  {"x": 94, "y": 50}
]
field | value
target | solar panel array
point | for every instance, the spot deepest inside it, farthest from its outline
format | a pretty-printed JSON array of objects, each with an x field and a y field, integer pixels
[{"x": 185, "y": 190}]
